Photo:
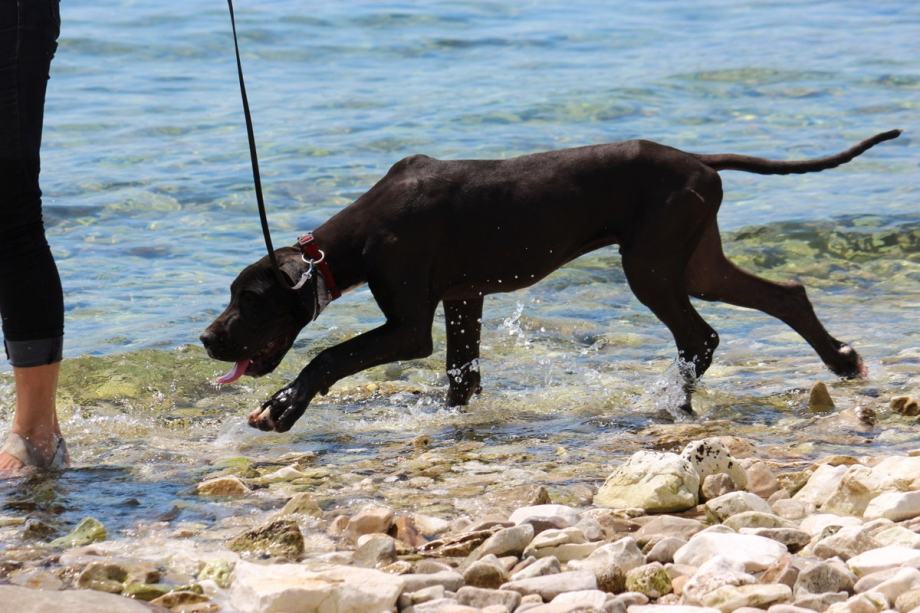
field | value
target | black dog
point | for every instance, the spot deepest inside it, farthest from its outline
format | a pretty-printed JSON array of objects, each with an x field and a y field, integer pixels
[{"x": 438, "y": 231}]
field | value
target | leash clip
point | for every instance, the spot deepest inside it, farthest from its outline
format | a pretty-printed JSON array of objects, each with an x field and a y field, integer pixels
[{"x": 307, "y": 275}]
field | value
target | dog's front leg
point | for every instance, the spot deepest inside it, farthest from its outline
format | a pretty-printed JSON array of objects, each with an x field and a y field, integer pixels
[{"x": 397, "y": 340}]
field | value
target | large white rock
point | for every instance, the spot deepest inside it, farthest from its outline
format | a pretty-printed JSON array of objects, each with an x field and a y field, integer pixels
[
  {"x": 815, "y": 524},
  {"x": 821, "y": 484},
  {"x": 291, "y": 588},
  {"x": 550, "y": 586},
  {"x": 26, "y": 600},
  {"x": 756, "y": 553},
  {"x": 883, "y": 558},
  {"x": 654, "y": 481},
  {"x": 896, "y": 506},
  {"x": 710, "y": 456}
]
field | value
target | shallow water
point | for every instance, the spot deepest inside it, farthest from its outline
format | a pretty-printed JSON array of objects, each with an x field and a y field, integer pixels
[{"x": 150, "y": 214}]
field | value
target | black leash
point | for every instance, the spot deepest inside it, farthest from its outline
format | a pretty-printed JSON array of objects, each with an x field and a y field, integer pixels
[{"x": 285, "y": 282}]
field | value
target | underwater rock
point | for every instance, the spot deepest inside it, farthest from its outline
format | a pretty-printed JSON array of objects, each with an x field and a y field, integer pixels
[
  {"x": 218, "y": 571},
  {"x": 144, "y": 591},
  {"x": 905, "y": 405},
  {"x": 181, "y": 599},
  {"x": 371, "y": 519},
  {"x": 102, "y": 577},
  {"x": 89, "y": 530},
  {"x": 376, "y": 550},
  {"x": 222, "y": 486},
  {"x": 279, "y": 538},
  {"x": 301, "y": 504},
  {"x": 654, "y": 481},
  {"x": 36, "y": 579},
  {"x": 819, "y": 399}
]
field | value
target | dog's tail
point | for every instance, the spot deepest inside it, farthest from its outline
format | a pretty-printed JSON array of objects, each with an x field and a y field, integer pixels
[{"x": 731, "y": 161}]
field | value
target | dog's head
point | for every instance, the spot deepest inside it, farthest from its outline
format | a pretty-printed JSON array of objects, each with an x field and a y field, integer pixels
[{"x": 263, "y": 318}]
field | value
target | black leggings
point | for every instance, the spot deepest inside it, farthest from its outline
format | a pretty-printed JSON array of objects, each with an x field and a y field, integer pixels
[{"x": 31, "y": 301}]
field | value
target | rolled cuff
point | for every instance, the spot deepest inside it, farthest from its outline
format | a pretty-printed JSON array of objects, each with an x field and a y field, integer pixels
[{"x": 24, "y": 354}]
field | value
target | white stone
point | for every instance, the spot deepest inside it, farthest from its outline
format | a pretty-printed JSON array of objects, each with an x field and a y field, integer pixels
[
  {"x": 550, "y": 586},
  {"x": 653, "y": 481},
  {"x": 896, "y": 506},
  {"x": 875, "y": 560},
  {"x": 623, "y": 554},
  {"x": 905, "y": 579},
  {"x": 508, "y": 541},
  {"x": 732, "y": 503},
  {"x": 731, "y": 597},
  {"x": 815, "y": 524},
  {"x": 713, "y": 574},
  {"x": 292, "y": 588},
  {"x": 567, "y": 513},
  {"x": 669, "y": 608},
  {"x": 26, "y": 600},
  {"x": 589, "y": 598},
  {"x": 845, "y": 543},
  {"x": 755, "y": 552},
  {"x": 821, "y": 484},
  {"x": 896, "y": 535},
  {"x": 710, "y": 456}
]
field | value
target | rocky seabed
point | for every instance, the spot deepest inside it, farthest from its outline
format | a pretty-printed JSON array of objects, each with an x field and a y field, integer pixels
[{"x": 713, "y": 528}]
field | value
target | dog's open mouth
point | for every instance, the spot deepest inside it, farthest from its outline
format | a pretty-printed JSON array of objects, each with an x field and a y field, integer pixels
[{"x": 261, "y": 364}]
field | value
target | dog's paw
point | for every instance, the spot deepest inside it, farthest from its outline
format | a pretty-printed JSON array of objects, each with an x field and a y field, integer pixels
[
  {"x": 848, "y": 364},
  {"x": 281, "y": 411}
]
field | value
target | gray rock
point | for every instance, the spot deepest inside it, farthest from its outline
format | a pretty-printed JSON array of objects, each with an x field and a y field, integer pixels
[
  {"x": 378, "y": 550},
  {"x": 451, "y": 580},
  {"x": 716, "y": 485},
  {"x": 733, "y": 503},
  {"x": 611, "y": 562},
  {"x": 279, "y": 538},
  {"x": 543, "y": 566},
  {"x": 481, "y": 598},
  {"x": 485, "y": 573},
  {"x": 508, "y": 541},
  {"x": 760, "y": 595},
  {"x": 668, "y": 525},
  {"x": 25, "y": 600},
  {"x": 819, "y": 602},
  {"x": 550, "y": 586},
  {"x": 407, "y": 599},
  {"x": 823, "y": 577},
  {"x": 846, "y": 543},
  {"x": 664, "y": 550},
  {"x": 792, "y": 538}
]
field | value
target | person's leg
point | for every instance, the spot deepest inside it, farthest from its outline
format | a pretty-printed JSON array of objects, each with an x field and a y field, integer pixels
[{"x": 31, "y": 301}]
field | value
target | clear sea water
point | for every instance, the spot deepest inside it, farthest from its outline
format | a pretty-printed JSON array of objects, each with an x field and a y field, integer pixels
[{"x": 150, "y": 213}]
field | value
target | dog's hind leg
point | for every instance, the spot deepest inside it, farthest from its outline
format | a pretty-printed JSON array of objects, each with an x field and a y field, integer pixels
[
  {"x": 712, "y": 276},
  {"x": 654, "y": 263},
  {"x": 463, "y": 318}
]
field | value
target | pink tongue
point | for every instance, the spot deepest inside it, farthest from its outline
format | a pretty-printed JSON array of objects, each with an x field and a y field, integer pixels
[{"x": 238, "y": 370}]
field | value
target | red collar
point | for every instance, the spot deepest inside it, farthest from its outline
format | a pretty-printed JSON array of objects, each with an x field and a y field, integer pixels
[{"x": 316, "y": 256}]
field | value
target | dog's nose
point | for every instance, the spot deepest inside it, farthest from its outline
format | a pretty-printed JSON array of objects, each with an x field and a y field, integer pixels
[{"x": 208, "y": 338}]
